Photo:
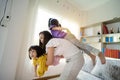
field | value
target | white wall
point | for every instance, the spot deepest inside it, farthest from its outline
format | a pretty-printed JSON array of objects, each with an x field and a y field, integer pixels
[
  {"x": 14, "y": 35},
  {"x": 62, "y": 8},
  {"x": 3, "y": 36},
  {"x": 104, "y": 12},
  {"x": 66, "y": 11},
  {"x": 3, "y": 30}
]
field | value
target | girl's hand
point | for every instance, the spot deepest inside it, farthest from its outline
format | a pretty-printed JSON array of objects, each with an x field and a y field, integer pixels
[
  {"x": 66, "y": 30},
  {"x": 57, "y": 28},
  {"x": 60, "y": 28}
]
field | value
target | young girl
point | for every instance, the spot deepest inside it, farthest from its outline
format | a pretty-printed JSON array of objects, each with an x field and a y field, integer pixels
[
  {"x": 38, "y": 56},
  {"x": 57, "y": 32},
  {"x": 44, "y": 36}
]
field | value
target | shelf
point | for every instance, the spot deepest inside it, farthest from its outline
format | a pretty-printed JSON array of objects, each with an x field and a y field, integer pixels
[
  {"x": 111, "y": 34},
  {"x": 92, "y": 42},
  {"x": 112, "y": 41},
  {"x": 111, "y": 38},
  {"x": 91, "y": 25},
  {"x": 112, "y": 58},
  {"x": 91, "y": 36},
  {"x": 114, "y": 20}
]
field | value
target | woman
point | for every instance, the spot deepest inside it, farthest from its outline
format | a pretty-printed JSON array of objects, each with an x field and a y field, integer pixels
[
  {"x": 58, "y": 32},
  {"x": 61, "y": 47},
  {"x": 45, "y": 36}
]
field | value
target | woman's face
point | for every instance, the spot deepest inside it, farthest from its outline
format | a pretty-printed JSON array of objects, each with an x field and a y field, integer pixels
[
  {"x": 33, "y": 53},
  {"x": 41, "y": 37}
]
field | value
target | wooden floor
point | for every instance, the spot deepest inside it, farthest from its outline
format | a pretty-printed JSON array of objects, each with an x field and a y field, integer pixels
[{"x": 47, "y": 77}]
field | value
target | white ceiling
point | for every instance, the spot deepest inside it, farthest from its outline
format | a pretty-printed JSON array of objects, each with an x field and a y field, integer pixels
[{"x": 87, "y": 4}]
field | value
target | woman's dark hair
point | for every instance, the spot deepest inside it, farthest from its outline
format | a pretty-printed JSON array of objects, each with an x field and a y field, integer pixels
[
  {"x": 53, "y": 21},
  {"x": 38, "y": 49},
  {"x": 47, "y": 37}
]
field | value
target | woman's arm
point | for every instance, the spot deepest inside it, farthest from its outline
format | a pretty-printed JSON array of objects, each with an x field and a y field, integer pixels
[{"x": 50, "y": 56}]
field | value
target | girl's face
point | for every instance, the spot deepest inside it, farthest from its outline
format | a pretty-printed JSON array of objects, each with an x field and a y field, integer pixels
[
  {"x": 33, "y": 53},
  {"x": 41, "y": 37}
]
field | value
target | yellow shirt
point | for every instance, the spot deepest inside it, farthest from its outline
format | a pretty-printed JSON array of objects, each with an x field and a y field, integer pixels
[{"x": 41, "y": 64}]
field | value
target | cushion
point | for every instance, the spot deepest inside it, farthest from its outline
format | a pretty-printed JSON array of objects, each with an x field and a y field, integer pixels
[
  {"x": 88, "y": 65},
  {"x": 108, "y": 71}
]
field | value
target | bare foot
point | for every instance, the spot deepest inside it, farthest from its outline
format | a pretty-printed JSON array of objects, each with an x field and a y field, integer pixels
[{"x": 102, "y": 58}]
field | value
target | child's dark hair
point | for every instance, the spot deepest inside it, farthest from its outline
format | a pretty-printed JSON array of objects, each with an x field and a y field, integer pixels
[
  {"x": 47, "y": 37},
  {"x": 38, "y": 49},
  {"x": 53, "y": 22}
]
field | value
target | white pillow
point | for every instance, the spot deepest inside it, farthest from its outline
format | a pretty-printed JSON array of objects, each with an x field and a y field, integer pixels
[
  {"x": 88, "y": 65},
  {"x": 86, "y": 76},
  {"x": 108, "y": 71}
]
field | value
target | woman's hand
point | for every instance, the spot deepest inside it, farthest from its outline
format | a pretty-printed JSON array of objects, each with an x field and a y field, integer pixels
[
  {"x": 50, "y": 56},
  {"x": 57, "y": 59}
]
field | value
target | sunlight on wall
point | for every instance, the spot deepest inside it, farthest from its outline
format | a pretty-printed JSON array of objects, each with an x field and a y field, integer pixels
[
  {"x": 42, "y": 24},
  {"x": 72, "y": 26}
]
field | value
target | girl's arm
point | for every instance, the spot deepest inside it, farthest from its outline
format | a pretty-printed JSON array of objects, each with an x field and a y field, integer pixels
[
  {"x": 68, "y": 31},
  {"x": 50, "y": 56},
  {"x": 57, "y": 28},
  {"x": 35, "y": 70},
  {"x": 61, "y": 28}
]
